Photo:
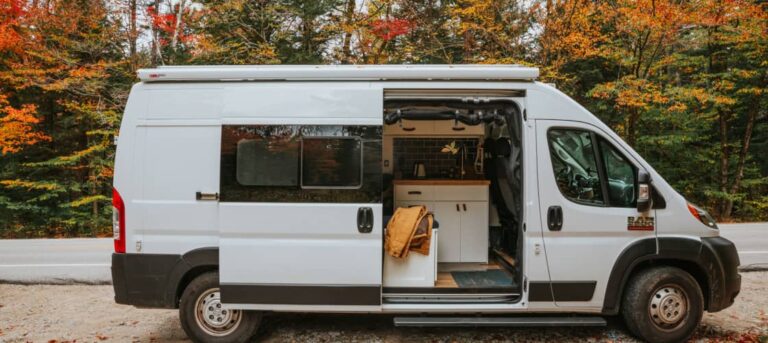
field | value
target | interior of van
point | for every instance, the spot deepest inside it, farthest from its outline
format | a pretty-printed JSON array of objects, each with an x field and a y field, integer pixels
[{"x": 459, "y": 154}]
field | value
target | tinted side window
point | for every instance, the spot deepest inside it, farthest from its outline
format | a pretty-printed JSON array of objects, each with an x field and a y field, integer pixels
[
  {"x": 267, "y": 162},
  {"x": 575, "y": 165},
  {"x": 300, "y": 163},
  {"x": 621, "y": 175},
  {"x": 331, "y": 162}
]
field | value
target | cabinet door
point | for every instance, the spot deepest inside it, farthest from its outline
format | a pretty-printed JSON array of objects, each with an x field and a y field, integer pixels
[
  {"x": 449, "y": 218},
  {"x": 474, "y": 231},
  {"x": 410, "y": 128}
]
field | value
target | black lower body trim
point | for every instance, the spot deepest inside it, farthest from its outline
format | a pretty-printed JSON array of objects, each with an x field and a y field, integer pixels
[
  {"x": 301, "y": 295},
  {"x": 563, "y": 290},
  {"x": 142, "y": 279}
]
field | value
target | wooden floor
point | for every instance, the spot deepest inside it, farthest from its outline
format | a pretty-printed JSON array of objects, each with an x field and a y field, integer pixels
[{"x": 445, "y": 279}]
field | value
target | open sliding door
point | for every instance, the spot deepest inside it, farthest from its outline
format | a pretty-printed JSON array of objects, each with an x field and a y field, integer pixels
[{"x": 300, "y": 212}]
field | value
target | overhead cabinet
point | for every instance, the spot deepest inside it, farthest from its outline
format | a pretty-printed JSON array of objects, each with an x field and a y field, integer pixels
[
  {"x": 462, "y": 213},
  {"x": 433, "y": 128}
]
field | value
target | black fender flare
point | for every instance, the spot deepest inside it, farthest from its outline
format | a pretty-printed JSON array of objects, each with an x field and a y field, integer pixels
[
  {"x": 197, "y": 258},
  {"x": 705, "y": 254}
]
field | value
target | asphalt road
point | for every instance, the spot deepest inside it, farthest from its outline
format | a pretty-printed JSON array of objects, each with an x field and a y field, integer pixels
[
  {"x": 71, "y": 260},
  {"x": 87, "y": 260},
  {"x": 751, "y": 241}
]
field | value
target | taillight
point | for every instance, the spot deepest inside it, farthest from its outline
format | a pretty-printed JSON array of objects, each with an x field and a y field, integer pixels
[{"x": 118, "y": 221}]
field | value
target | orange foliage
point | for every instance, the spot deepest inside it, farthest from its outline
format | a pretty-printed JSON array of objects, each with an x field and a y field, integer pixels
[
  {"x": 571, "y": 29},
  {"x": 630, "y": 93},
  {"x": 17, "y": 127},
  {"x": 10, "y": 11}
]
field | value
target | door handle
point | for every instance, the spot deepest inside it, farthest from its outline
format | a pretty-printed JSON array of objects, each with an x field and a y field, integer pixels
[
  {"x": 365, "y": 220},
  {"x": 206, "y": 196},
  {"x": 555, "y": 218}
]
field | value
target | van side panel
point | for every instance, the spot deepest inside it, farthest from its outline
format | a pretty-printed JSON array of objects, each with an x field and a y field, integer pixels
[
  {"x": 178, "y": 162},
  {"x": 291, "y": 101}
]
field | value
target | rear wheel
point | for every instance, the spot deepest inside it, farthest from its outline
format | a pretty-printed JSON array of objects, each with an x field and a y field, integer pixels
[
  {"x": 663, "y": 304},
  {"x": 204, "y": 319}
]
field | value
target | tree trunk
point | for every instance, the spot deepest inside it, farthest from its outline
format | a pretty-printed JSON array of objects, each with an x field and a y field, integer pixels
[
  {"x": 468, "y": 44},
  {"x": 724, "y": 158},
  {"x": 177, "y": 26},
  {"x": 133, "y": 34},
  {"x": 630, "y": 129},
  {"x": 346, "y": 45},
  {"x": 740, "y": 164},
  {"x": 155, "y": 54}
]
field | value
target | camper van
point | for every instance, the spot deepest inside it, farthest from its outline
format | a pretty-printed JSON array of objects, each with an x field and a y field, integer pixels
[{"x": 241, "y": 191}]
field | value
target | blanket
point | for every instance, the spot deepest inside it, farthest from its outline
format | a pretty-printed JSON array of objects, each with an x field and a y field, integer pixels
[{"x": 410, "y": 229}]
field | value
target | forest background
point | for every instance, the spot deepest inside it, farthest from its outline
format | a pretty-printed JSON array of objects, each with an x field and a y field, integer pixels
[{"x": 684, "y": 82}]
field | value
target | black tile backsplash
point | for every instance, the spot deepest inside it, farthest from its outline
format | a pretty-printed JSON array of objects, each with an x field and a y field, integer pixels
[{"x": 408, "y": 151}]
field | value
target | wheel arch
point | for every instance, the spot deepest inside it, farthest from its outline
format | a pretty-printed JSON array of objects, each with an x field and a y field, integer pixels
[
  {"x": 683, "y": 253},
  {"x": 193, "y": 264}
]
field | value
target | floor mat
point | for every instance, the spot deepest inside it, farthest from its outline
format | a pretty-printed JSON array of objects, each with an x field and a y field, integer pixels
[{"x": 483, "y": 279}]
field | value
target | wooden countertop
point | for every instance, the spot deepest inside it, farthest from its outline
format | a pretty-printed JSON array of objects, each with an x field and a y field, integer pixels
[{"x": 443, "y": 182}]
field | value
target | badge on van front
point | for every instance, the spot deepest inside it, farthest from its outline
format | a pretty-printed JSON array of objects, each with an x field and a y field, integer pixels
[{"x": 640, "y": 223}]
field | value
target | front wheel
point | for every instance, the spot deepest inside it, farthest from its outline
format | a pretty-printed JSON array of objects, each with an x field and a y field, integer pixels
[
  {"x": 205, "y": 320},
  {"x": 663, "y": 304}
]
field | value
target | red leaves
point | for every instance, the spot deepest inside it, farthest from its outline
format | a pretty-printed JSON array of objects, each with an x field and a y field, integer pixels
[
  {"x": 10, "y": 11},
  {"x": 166, "y": 23},
  {"x": 163, "y": 22},
  {"x": 388, "y": 29}
]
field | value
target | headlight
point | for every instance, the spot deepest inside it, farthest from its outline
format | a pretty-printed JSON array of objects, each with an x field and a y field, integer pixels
[{"x": 702, "y": 216}]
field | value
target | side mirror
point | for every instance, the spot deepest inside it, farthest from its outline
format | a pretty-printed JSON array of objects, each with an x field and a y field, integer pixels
[{"x": 644, "y": 198}]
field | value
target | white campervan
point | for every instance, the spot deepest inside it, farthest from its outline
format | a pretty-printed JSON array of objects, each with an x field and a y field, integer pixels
[{"x": 245, "y": 190}]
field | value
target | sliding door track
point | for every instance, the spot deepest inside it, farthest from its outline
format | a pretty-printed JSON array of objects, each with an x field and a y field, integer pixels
[{"x": 449, "y": 298}]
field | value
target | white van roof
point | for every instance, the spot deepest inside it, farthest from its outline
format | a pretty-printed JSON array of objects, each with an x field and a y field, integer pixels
[{"x": 340, "y": 72}]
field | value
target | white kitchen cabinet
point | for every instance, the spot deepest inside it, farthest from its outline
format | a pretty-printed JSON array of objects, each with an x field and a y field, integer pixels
[
  {"x": 462, "y": 213},
  {"x": 474, "y": 231},
  {"x": 449, "y": 246}
]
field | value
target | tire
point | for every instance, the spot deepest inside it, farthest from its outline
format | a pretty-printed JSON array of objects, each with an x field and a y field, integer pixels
[
  {"x": 663, "y": 304},
  {"x": 220, "y": 326}
]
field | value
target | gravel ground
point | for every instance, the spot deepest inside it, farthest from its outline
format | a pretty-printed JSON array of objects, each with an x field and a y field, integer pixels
[{"x": 80, "y": 313}]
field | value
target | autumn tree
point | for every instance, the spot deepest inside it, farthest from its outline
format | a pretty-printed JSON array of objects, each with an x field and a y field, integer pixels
[
  {"x": 684, "y": 82},
  {"x": 171, "y": 23},
  {"x": 68, "y": 75}
]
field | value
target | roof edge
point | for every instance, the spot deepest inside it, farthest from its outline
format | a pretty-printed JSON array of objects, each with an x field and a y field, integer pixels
[{"x": 371, "y": 72}]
